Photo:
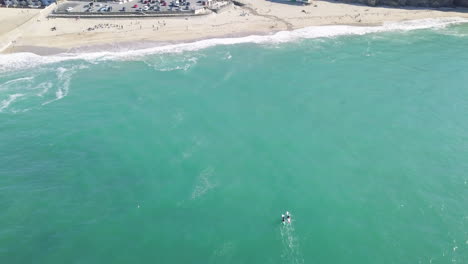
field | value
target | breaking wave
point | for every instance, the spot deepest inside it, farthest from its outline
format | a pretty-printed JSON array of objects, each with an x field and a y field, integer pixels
[{"x": 16, "y": 61}]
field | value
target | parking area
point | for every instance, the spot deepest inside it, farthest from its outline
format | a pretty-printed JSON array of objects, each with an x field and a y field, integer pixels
[
  {"x": 130, "y": 6},
  {"x": 26, "y": 3}
]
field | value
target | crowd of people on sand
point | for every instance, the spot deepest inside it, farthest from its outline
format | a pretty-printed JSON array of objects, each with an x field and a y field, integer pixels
[
  {"x": 131, "y": 26},
  {"x": 107, "y": 25}
]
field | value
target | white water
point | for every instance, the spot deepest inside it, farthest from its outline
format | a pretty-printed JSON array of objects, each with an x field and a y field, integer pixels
[
  {"x": 11, "y": 98},
  {"x": 291, "y": 252},
  {"x": 24, "y": 91}
]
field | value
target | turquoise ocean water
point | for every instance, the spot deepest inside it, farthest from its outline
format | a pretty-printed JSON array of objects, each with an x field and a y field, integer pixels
[{"x": 190, "y": 153}]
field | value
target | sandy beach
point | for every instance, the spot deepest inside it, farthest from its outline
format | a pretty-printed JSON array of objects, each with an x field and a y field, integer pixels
[{"x": 30, "y": 30}]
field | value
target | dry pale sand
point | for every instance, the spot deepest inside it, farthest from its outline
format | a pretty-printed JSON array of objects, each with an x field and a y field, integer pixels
[
  {"x": 256, "y": 17},
  {"x": 11, "y": 18}
]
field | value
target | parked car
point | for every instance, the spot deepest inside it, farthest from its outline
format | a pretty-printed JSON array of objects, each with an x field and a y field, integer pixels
[
  {"x": 69, "y": 9},
  {"x": 135, "y": 6}
]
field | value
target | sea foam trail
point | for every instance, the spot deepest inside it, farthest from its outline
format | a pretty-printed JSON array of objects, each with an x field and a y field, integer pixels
[
  {"x": 23, "y": 94},
  {"x": 291, "y": 250},
  {"x": 16, "y": 61},
  {"x": 11, "y": 98}
]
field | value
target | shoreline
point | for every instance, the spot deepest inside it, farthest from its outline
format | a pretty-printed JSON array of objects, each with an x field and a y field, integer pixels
[
  {"x": 144, "y": 45},
  {"x": 259, "y": 18},
  {"x": 121, "y": 46}
]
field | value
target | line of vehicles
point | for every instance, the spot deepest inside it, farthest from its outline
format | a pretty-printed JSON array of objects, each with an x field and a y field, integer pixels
[
  {"x": 26, "y": 3},
  {"x": 92, "y": 7},
  {"x": 142, "y": 6},
  {"x": 155, "y": 5}
]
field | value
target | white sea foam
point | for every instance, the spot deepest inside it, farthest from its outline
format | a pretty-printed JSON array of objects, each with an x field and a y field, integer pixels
[
  {"x": 44, "y": 86},
  {"x": 163, "y": 64},
  {"x": 18, "y": 80},
  {"x": 36, "y": 94},
  {"x": 204, "y": 183},
  {"x": 228, "y": 56},
  {"x": 12, "y": 85},
  {"x": 291, "y": 249},
  {"x": 64, "y": 77},
  {"x": 14, "y": 61},
  {"x": 11, "y": 98}
]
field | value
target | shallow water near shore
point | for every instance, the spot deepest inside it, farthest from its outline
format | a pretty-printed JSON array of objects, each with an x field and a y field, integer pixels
[{"x": 192, "y": 156}]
